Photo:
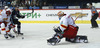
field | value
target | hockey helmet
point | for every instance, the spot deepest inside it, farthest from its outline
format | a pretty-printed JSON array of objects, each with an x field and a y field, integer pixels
[
  {"x": 60, "y": 13},
  {"x": 6, "y": 7},
  {"x": 8, "y": 12}
]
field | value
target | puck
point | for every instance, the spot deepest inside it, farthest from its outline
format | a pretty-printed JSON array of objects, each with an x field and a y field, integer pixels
[{"x": 22, "y": 37}]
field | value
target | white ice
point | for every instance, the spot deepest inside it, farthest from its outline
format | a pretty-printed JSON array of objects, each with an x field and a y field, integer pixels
[{"x": 35, "y": 36}]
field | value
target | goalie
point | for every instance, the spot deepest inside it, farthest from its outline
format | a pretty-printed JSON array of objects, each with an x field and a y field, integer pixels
[{"x": 67, "y": 29}]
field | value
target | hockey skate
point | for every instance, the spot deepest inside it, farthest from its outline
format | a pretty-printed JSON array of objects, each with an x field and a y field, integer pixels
[
  {"x": 20, "y": 33},
  {"x": 15, "y": 31},
  {"x": 6, "y": 36},
  {"x": 53, "y": 41},
  {"x": 12, "y": 36}
]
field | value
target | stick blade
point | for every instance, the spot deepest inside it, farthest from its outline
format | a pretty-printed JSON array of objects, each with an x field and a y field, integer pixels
[{"x": 32, "y": 10}]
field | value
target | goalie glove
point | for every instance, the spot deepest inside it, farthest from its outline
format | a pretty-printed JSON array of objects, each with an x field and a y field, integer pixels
[{"x": 57, "y": 30}]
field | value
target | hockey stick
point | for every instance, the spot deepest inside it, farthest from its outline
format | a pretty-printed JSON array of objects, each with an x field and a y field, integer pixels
[
  {"x": 80, "y": 15},
  {"x": 77, "y": 17},
  {"x": 31, "y": 12}
]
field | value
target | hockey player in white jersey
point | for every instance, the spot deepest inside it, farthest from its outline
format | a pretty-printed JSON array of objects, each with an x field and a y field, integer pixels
[
  {"x": 5, "y": 23},
  {"x": 67, "y": 29},
  {"x": 4, "y": 10}
]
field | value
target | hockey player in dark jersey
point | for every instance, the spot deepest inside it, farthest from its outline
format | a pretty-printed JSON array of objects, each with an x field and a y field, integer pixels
[{"x": 14, "y": 19}]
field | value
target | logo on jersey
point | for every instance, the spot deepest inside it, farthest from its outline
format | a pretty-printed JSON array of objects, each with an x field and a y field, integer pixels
[{"x": 8, "y": 12}]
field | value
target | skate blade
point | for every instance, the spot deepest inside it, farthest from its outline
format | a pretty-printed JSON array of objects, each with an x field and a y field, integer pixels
[
  {"x": 7, "y": 38},
  {"x": 86, "y": 41},
  {"x": 53, "y": 44},
  {"x": 18, "y": 35}
]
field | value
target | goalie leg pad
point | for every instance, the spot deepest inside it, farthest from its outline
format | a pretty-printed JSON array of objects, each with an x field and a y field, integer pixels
[
  {"x": 70, "y": 32},
  {"x": 78, "y": 39}
]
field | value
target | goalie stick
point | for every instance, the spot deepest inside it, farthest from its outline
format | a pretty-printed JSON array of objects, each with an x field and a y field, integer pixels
[
  {"x": 77, "y": 17},
  {"x": 80, "y": 15}
]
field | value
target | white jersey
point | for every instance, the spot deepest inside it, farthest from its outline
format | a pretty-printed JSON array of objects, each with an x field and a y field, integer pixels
[
  {"x": 4, "y": 17},
  {"x": 3, "y": 13},
  {"x": 65, "y": 21}
]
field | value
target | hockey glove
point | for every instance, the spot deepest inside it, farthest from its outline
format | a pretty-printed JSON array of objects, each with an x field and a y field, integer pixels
[{"x": 23, "y": 16}]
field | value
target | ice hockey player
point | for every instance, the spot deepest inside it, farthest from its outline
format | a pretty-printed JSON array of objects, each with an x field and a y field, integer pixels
[
  {"x": 14, "y": 19},
  {"x": 11, "y": 26},
  {"x": 4, "y": 10},
  {"x": 67, "y": 29},
  {"x": 5, "y": 22}
]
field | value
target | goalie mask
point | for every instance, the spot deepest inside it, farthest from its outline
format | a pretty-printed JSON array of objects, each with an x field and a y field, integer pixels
[
  {"x": 60, "y": 13},
  {"x": 8, "y": 12}
]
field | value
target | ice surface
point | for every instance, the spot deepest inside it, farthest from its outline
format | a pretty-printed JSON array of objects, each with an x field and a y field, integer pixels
[{"x": 35, "y": 36}]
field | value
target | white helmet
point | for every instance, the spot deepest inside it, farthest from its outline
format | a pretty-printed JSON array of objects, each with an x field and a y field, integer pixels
[
  {"x": 6, "y": 7},
  {"x": 8, "y": 12},
  {"x": 60, "y": 13}
]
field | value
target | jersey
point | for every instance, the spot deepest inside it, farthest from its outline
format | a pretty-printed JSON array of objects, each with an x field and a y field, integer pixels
[
  {"x": 4, "y": 17},
  {"x": 15, "y": 14},
  {"x": 5, "y": 21},
  {"x": 93, "y": 10},
  {"x": 66, "y": 21}
]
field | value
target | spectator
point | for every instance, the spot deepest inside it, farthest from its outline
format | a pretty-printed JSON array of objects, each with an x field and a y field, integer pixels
[
  {"x": 13, "y": 3},
  {"x": 3, "y": 2},
  {"x": 23, "y": 3},
  {"x": 0, "y": 3},
  {"x": 31, "y": 2},
  {"x": 27, "y": 3},
  {"x": 45, "y": 4}
]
